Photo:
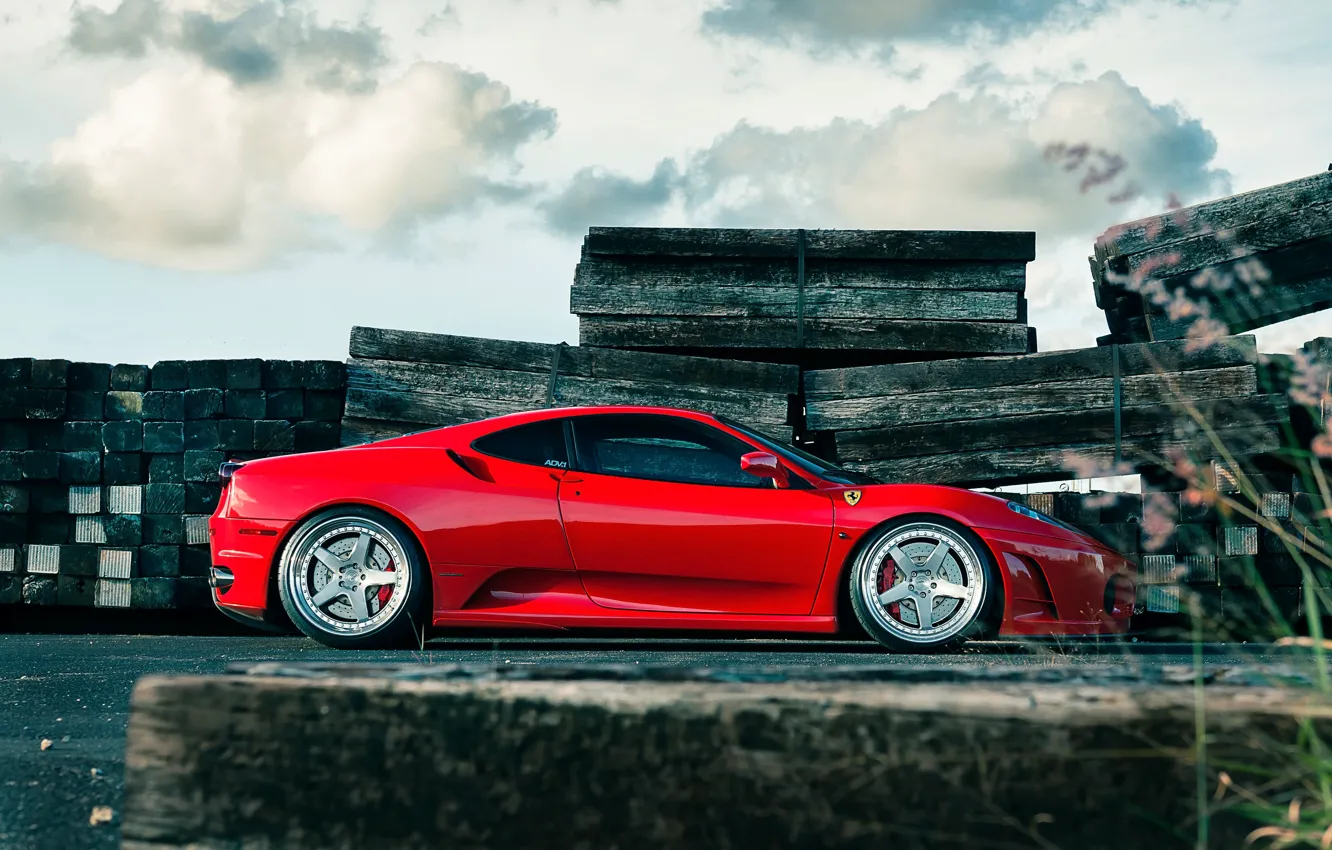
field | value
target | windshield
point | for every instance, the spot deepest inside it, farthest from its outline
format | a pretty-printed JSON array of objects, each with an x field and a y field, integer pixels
[{"x": 803, "y": 459}]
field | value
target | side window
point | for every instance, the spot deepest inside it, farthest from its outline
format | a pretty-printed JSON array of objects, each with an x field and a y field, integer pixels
[
  {"x": 539, "y": 444},
  {"x": 661, "y": 448}
]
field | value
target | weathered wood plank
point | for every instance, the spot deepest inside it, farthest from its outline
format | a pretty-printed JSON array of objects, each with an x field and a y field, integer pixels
[
  {"x": 658, "y": 333},
  {"x": 525, "y": 389},
  {"x": 1069, "y": 365},
  {"x": 672, "y": 369},
  {"x": 1160, "y": 230},
  {"x": 850, "y": 244},
  {"x": 1054, "y": 429},
  {"x": 424, "y": 408},
  {"x": 1000, "y": 467},
  {"x": 356, "y": 432},
  {"x": 762, "y": 410},
  {"x": 1245, "y": 239},
  {"x": 385, "y": 388},
  {"x": 415, "y": 346},
  {"x": 444, "y": 395},
  {"x": 1006, "y": 276},
  {"x": 607, "y": 758},
  {"x": 1248, "y": 312},
  {"x": 774, "y": 302},
  {"x": 394, "y": 414},
  {"x": 390, "y": 376},
  {"x": 1052, "y": 397}
]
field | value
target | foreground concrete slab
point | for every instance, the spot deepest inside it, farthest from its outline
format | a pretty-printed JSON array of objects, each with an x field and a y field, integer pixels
[{"x": 396, "y": 757}]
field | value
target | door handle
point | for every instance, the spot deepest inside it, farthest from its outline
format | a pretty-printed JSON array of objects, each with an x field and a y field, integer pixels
[{"x": 565, "y": 478}]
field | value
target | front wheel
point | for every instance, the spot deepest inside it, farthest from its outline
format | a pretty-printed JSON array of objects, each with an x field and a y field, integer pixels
[
  {"x": 351, "y": 578},
  {"x": 922, "y": 585}
]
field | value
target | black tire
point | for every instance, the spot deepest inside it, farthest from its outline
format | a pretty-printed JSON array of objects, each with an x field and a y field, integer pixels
[
  {"x": 966, "y": 568},
  {"x": 305, "y": 575}
]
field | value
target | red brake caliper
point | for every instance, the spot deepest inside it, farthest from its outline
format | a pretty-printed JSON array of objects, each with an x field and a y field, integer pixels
[
  {"x": 894, "y": 609},
  {"x": 387, "y": 590}
]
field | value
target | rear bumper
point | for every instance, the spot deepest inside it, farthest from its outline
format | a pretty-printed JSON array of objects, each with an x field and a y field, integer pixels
[{"x": 247, "y": 549}]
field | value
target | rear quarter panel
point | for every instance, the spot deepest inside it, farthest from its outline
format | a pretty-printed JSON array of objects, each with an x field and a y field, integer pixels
[{"x": 457, "y": 518}]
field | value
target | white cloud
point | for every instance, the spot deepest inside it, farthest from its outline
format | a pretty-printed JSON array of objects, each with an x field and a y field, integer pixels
[
  {"x": 977, "y": 163},
  {"x": 852, "y": 24},
  {"x": 840, "y": 26},
  {"x": 598, "y": 196},
  {"x": 191, "y": 167},
  {"x": 958, "y": 163},
  {"x": 253, "y": 42}
]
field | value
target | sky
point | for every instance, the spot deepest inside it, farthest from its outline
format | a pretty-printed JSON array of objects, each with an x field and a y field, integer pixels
[{"x": 251, "y": 178}]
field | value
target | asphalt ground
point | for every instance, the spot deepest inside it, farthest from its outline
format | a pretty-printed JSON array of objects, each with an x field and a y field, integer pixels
[{"x": 73, "y": 690}]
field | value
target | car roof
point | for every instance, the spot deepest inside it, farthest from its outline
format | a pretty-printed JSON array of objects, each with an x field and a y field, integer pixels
[
  {"x": 509, "y": 420},
  {"x": 471, "y": 430},
  {"x": 555, "y": 412}
]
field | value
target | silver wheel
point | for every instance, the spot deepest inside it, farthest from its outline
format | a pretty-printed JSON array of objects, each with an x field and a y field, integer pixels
[
  {"x": 922, "y": 583},
  {"x": 347, "y": 576}
]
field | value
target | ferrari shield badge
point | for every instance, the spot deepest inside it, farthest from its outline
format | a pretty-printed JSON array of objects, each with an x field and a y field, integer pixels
[{"x": 851, "y": 496}]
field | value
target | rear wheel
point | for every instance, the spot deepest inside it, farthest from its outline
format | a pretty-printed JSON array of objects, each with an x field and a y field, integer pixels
[
  {"x": 352, "y": 578},
  {"x": 922, "y": 586}
]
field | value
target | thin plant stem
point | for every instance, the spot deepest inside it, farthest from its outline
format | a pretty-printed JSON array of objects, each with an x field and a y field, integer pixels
[{"x": 1200, "y": 726}]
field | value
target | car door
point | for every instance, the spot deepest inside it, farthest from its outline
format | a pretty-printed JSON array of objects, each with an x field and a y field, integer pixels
[{"x": 659, "y": 516}]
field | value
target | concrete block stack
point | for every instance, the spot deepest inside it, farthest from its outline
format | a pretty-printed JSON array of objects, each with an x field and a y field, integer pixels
[{"x": 108, "y": 473}]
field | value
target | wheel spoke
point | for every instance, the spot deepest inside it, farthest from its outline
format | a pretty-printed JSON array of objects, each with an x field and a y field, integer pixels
[
  {"x": 360, "y": 610},
  {"x": 379, "y": 578},
  {"x": 896, "y": 593},
  {"x": 331, "y": 591},
  {"x": 902, "y": 560},
  {"x": 925, "y": 611},
  {"x": 328, "y": 559},
  {"x": 950, "y": 589},
  {"x": 936, "y": 559},
  {"x": 361, "y": 553}
]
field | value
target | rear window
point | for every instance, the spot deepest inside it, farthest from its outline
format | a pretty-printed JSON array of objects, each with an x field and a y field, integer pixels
[{"x": 538, "y": 444}]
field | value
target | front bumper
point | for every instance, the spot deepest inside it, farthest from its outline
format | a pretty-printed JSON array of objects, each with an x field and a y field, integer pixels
[{"x": 1054, "y": 586}]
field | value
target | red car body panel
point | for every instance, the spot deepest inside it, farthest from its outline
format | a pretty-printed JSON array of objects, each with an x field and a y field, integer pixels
[
  {"x": 697, "y": 549},
  {"x": 525, "y": 546}
]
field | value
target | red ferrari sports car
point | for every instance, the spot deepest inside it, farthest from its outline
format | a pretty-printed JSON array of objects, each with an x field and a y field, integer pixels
[{"x": 639, "y": 517}]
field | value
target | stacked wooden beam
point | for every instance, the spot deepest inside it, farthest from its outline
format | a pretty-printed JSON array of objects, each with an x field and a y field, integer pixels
[
  {"x": 108, "y": 473},
  {"x": 1305, "y": 378},
  {"x": 829, "y": 297},
  {"x": 404, "y": 381},
  {"x": 999, "y": 420},
  {"x": 1252, "y": 260}
]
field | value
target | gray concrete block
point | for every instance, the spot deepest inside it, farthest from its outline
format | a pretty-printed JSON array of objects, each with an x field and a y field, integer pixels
[
  {"x": 85, "y": 500},
  {"x": 116, "y": 563},
  {"x": 169, "y": 375},
  {"x": 164, "y": 438},
  {"x": 89, "y": 529},
  {"x": 124, "y": 499},
  {"x": 196, "y": 530},
  {"x": 112, "y": 593},
  {"x": 124, "y": 405},
  {"x": 42, "y": 559},
  {"x": 128, "y": 376}
]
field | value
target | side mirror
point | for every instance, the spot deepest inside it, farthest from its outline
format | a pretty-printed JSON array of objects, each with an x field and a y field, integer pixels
[{"x": 765, "y": 465}]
